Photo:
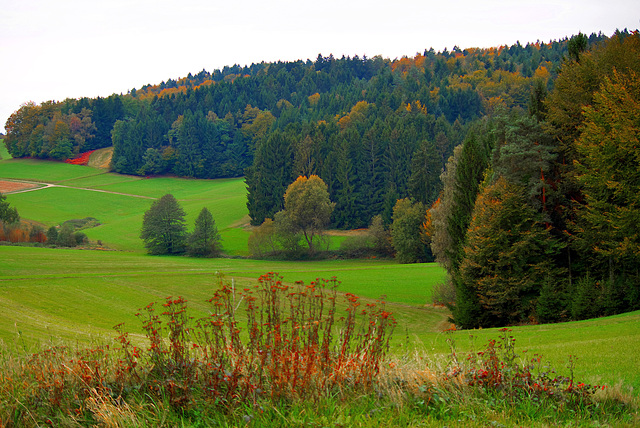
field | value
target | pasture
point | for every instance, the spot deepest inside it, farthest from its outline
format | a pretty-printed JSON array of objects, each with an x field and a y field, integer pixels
[{"x": 77, "y": 296}]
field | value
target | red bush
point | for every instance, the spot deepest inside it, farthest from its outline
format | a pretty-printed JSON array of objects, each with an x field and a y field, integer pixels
[{"x": 81, "y": 159}]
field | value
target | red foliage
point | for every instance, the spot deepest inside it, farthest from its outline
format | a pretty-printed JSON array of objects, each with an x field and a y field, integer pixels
[{"x": 81, "y": 159}]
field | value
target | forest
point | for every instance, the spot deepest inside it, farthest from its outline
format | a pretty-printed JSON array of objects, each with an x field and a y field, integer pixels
[{"x": 524, "y": 158}]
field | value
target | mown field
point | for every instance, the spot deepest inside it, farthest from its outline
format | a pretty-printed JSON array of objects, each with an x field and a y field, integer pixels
[{"x": 52, "y": 295}]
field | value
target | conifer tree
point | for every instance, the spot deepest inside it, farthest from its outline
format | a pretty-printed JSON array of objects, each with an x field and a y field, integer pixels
[
  {"x": 163, "y": 228},
  {"x": 508, "y": 258},
  {"x": 267, "y": 179},
  {"x": 473, "y": 161},
  {"x": 205, "y": 239}
]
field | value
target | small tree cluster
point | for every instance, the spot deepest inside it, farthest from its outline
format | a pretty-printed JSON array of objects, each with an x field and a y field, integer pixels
[
  {"x": 164, "y": 231},
  {"x": 65, "y": 236}
]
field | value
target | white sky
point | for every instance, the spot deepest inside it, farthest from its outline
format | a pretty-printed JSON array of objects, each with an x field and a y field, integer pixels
[{"x": 57, "y": 49}]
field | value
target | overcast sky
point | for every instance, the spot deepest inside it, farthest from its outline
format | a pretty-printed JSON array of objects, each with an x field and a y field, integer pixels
[{"x": 52, "y": 50}]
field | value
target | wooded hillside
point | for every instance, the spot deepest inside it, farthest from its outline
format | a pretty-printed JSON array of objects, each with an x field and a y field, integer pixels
[{"x": 375, "y": 130}]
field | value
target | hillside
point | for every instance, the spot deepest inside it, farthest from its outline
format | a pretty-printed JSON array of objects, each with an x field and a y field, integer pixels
[{"x": 359, "y": 123}]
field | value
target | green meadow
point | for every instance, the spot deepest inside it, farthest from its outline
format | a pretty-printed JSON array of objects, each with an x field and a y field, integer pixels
[{"x": 63, "y": 295}]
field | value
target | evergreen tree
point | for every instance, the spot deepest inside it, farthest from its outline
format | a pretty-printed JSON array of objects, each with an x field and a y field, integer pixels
[
  {"x": 163, "y": 227},
  {"x": 508, "y": 258},
  {"x": 205, "y": 239},
  {"x": 473, "y": 161},
  {"x": 267, "y": 179},
  {"x": 8, "y": 214},
  {"x": 608, "y": 167},
  {"x": 424, "y": 182}
]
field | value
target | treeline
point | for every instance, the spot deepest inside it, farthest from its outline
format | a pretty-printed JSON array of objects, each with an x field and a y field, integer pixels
[
  {"x": 538, "y": 218},
  {"x": 373, "y": 129}
]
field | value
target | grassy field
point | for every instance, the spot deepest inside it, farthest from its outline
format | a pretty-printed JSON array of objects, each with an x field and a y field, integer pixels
[
  {"x": 119, "y": 202},
  {"x": 49, "y": 295},
  {"x": 4, "y": 154}
]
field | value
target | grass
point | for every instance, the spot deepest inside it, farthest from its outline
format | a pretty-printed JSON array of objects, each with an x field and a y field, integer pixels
[
  {"x": 116, "y": 284},
  {"x": 4, "y": 154}
]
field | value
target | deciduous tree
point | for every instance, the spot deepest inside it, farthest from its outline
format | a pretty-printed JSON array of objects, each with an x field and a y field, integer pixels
[
  {"x": 308, "y": 207},
  {"x": 406, "y": 231},
  {"x": 608, "y": 167}
]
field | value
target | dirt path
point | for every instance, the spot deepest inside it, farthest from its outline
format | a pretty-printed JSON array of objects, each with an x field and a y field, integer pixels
[{"x": 21, "y": 186}]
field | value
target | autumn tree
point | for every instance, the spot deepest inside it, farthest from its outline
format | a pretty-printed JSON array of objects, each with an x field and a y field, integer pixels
[
  {"x": 608, "y": 168},
  {"x": 508, "y": 258},
  {"x": 163, "y": 227},
  {"x": 263, "y": 240},
  {"x": 308, "y": 208},
  {"x": 441, "y": 243},
  {"x": 205, "y": 239}
]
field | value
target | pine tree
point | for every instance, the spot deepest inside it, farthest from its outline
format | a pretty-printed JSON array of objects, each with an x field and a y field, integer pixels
[
  {"x": 163, "y": 228},
  {"x": 205, "y": 239},
  {"x": 267, "y": 179}
]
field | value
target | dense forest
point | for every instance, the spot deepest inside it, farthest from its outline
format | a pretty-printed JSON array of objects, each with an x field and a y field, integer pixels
[{"x": 527, "y": 156}]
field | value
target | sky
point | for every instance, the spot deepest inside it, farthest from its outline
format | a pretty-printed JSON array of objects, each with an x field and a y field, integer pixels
[{"x": 53, "y": 50}]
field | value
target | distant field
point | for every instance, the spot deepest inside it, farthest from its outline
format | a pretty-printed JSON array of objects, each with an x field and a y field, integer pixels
[
  {"x": 45, "y": 171},
  {"x": 121, "y": 215}
]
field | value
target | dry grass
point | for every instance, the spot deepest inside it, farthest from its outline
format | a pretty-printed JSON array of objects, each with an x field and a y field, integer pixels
[{"x": 101, "y": 158}]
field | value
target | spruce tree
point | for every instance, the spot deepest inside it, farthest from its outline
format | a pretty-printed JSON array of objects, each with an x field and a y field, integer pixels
[
  {"x": 205, "y": 239},
  {"x": 267, "y": 179},
  {"x": 163, "y": 228}
]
